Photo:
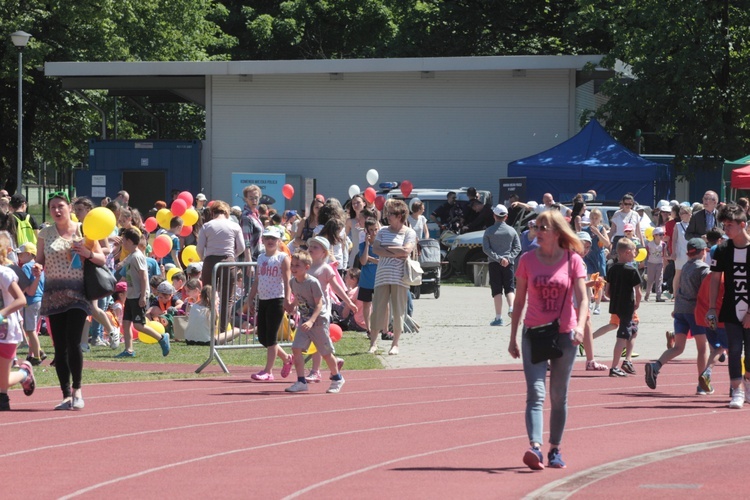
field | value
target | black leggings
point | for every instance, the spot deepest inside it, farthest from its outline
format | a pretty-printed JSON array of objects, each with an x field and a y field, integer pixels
[
  {"x": 270, "y": 316},
  {"x": 67, "y": 328}
]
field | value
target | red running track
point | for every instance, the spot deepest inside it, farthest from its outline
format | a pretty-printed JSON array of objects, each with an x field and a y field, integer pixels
[{"x": 417, "y": 433}]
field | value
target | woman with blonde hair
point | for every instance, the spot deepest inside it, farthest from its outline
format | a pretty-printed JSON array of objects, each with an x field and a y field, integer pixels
[
  {"x": 393, "y": 244},
  {"x": 548, "y": 280}
]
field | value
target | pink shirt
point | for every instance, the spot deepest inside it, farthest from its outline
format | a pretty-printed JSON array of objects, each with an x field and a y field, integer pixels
[{"x": 546, "y": 286}]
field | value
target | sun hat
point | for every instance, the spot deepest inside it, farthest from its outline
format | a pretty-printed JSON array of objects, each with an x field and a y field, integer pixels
[
  {"x": 165, "y": 287},
  {"x": 320, "y": 241},
  {"x": 27, "y": 247},
  {"x": 200, "y": 197},
  {"x": 272, "y": 232},
  {"x": 628, "y": 227},
  {"x": 584, "y": 236},
  {"x": 500, "y": 210}
]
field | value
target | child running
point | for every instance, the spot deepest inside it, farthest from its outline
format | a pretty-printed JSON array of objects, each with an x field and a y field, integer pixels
[
  {"x": 271, "y": 286},
  {"x": 686, "y": 297},
  {"x": 624, "y": 291},
  {"x": 309, "y": 299},
  {"x": 11, "y": 333},
  {"x": 136, "y": 298}
]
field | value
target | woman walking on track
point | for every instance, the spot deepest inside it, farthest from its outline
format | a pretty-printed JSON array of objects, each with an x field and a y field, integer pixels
[
  {"x": 548, "y": 278},
  {"x": 60, "y": 251}
]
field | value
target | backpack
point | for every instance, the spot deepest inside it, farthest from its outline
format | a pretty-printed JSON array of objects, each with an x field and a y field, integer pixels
[{"x": 24, "y": 231}]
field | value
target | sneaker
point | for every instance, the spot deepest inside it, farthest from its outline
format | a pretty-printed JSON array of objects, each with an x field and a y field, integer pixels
[
  {"x": 738, "y": 399},
  {"x": 4, "y": 402},
  {"x": 699, "y": 391},
  {"x": 510, "y": 312},
  {"x": 670, "y": 339},
  {"x": 386, "y": 336},
  {"x": 164, "y": 343},
  {"x": 126, "y": 354},
  {"x": 594, "y": 366},
  {"x": 336, "y": 386},
  {"x": 263, "y": 376},
  {"x": 534, "y": 459},
  {"x": 554, "y": 459},
  {"x": 704, "y": 382},
  {"x": 616, "y": 372},
  {"x": 30, "y": 383},
  {"x": 297, "y": 387},
  {"x": 651, "y": 374},
  {"x": 65, "y": 404},
  {"x": 85, "y": 347},
  {"x": 114, "y": 338},
  {"x": 99, "y": 342},
  {"x": 628, "y": 367},
  {"x": 597, "y": 311},
  {"x": 497, "y": 322},
  {"x": 340, "y": 363},
  {"x": 287, "y": 368},
  {"x": 313, "y": 376},
  {"x": 33, "y": 360},
  {"x": 659, "y": 299},
  {"x": 77, "y": 403},
  {"x": 373, "y": 349},
  {"x": 645, "y": 298}
]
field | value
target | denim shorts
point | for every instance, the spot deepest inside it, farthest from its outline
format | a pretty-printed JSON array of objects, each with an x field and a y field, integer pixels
[{"x": 684, "y": 322}]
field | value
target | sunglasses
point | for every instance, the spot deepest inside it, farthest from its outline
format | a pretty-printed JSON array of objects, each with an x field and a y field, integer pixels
[{"x": 59, "y": 194}]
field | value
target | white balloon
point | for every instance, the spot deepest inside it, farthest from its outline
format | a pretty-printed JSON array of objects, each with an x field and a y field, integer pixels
[
  {"x": 372, "y": 176},
  {"x": 412, "y": 202},
  {"x": 353, "y": 190}
]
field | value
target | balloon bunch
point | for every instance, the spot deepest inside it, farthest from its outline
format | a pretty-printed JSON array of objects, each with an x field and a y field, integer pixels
[{"x": 182, "y": 207}]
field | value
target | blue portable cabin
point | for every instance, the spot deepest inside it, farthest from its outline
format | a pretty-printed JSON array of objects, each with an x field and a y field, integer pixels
[{"x": 147, "y": 169}]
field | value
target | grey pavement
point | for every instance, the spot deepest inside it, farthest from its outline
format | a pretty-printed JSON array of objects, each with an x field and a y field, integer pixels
[{"x": 455, "y": 331}]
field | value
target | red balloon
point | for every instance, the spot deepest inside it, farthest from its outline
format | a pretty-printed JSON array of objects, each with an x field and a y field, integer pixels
[
  {"x": 379, "y": 202},
  {"x": 335, "y": 332},
  {"x": 186, "y": 230},
  {"x": 186, "y": 197},
  {"x": 370, "y": 195},
  {"x": 162, "y": 246},
  {"x": 151, "y": 224},
  {"x": 287, "y": 191},
  {"x": 178, "y": 207},
  {"x": 406, "y": 188}
]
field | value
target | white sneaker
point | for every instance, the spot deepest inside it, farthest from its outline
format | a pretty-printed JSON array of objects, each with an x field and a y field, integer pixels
[
  {"x": 336, "y": 386},
  {"x": 597, "y": 311},
  {"x": 114, "y": 338},
  {"x": 297, "y": 387},
  {"x": 738, "y": 399},
  {"x": 100, "y": 342},
  {"x": 85, "y": 347}
]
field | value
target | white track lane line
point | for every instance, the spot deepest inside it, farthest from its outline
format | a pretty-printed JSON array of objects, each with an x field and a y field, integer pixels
[{"x": 565, "y": 488}]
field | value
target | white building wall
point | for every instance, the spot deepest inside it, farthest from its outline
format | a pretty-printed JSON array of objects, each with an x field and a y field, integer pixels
[{"x": 456, "y": 129}]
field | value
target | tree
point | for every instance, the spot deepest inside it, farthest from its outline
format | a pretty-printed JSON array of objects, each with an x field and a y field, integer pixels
[{"x": 688, "y": 65}]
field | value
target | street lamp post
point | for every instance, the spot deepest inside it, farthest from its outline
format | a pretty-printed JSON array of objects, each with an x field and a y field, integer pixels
[{"x": 20, "y": 39}]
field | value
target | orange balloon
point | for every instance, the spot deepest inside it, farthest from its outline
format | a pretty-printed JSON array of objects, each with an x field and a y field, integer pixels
[
  {"x": 335, "y": 332},
  {"x": 162, "y": 246}
]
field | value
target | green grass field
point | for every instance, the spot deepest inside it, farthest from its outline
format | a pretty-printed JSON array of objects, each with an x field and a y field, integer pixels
[{"x": 353, "y": 347}]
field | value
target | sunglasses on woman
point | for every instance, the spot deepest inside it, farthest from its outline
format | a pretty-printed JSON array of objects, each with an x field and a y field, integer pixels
[{"x": 59, "y": 194}]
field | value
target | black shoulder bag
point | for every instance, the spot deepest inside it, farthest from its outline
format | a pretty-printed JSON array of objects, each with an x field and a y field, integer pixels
[{"x": 545, "y": 339}]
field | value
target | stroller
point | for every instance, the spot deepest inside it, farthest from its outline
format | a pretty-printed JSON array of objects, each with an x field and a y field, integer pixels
[{"x": 429, "y": 259}]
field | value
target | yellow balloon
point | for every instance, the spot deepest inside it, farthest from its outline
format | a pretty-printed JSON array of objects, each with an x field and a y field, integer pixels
[
  {"x": 642, "y": 254},
  {"x": 190, "y": 255},
  {"x": 190, "y": 217},
  {"x": 649, "y": 233},
  {"x": 73, "y": 217},
  {"x": 171, "y": 273},
  {"x": 164, "y": 217},
  {"x": 311, "y": 350},
  {"x": 99, "y": 223},
  {"x": 155, "y": 325}
]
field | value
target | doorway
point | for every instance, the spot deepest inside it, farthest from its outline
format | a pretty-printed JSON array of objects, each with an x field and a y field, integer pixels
[{"x": 145, "y": 188}]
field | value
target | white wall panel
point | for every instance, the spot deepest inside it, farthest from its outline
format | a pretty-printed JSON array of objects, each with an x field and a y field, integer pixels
[{"x": 456, "y": 129}]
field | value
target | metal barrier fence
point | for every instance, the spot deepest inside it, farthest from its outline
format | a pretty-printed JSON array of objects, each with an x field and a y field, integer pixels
[{"x": 234, "y": 330}]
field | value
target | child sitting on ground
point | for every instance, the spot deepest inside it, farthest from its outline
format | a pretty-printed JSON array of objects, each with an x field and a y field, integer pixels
[
  {"x": 686, "y": 297},
  {"x": 165, "y": 300},
  {"x": 309, "y": 302},
  {"x": 178, "y": 282},
  {"x": 624, "y": 291}
]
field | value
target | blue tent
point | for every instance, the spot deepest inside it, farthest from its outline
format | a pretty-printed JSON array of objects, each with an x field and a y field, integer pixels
[{"x": 592, "y": 159}]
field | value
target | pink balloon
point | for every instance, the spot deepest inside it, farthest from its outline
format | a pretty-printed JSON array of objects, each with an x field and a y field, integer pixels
[
  {"x": 151, "y": 224},
  {"x": 379, "y": 202},
  {"x": 186, "y": 230},
  {"x": 370, "y": 195},
  {"x": 162, "y": 246},
  {"x": 406, "y": 188},
  {"x": 187, "y": 197},
  {"x": 334, "y": 331},
  {"x": 288, "y": 191},
  {"x": 178, "y": 207}
]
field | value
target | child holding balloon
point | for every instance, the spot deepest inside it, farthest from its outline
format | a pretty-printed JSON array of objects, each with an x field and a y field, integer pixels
[
  {"x": 656, "y": 262},
  {"x": 136, "y": 298}
]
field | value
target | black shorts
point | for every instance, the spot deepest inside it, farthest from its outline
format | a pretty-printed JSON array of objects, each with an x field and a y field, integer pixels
[
  {"x": 501, "y": 279},
  {"x": 270, "y": 316},
  {"x": 365, "y": 294},
  {"x": 627, "y": 329},
  {"x": 133, "y": 312}
]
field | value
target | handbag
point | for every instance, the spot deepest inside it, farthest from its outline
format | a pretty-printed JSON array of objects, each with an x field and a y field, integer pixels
[
  {"x": 545, "y": 339},
  {"x": 412, "y": 272},
  {"x": 98, "y": 281},
  {"x": 545, "y": 342}
]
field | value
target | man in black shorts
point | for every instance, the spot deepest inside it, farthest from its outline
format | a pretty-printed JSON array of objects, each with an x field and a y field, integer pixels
[{"x": 502, "y": 246}]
